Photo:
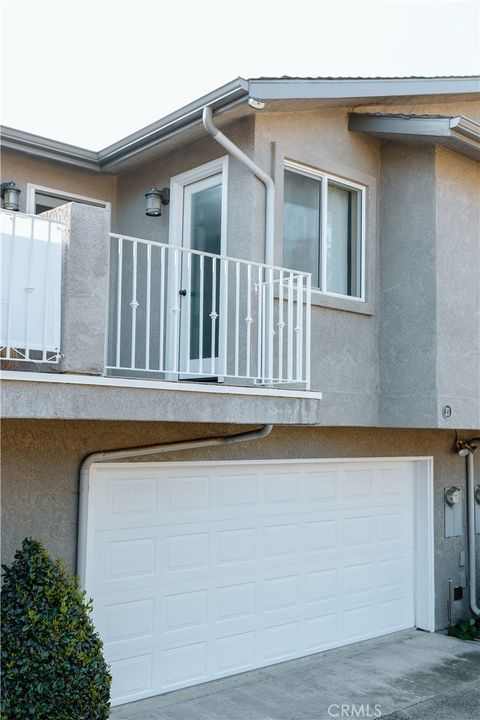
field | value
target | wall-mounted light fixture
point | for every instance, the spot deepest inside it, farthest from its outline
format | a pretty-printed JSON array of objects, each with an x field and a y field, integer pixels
[
  {"x": 10, "y": 195},
  {"x": 155, "y": 199},
  {"x": 462, "y": 448}
]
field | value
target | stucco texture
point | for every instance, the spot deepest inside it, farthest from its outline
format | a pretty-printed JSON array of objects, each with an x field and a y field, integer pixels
[
  {"x": 41, "y": 460},
  {"x": 23, "y": 169}
]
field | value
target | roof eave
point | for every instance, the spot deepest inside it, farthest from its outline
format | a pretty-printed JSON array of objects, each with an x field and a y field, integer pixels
[
  {"x": 21, "y": 141},
  {"x": 233, "y": 93},
  {"x": 457, "y": 133},
  {"x": 220, "y": 99},
  {"x": 106, "y": 160},
  {"x": 313, "y": 88}
]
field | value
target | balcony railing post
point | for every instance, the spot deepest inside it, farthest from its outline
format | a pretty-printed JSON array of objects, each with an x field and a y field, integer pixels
[{"x": 308, "y": 331}]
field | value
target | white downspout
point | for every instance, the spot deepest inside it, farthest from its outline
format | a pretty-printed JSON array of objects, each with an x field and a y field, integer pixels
[
  {"x": 472, "y": 560},
  {"x": 145, "y": 451},
  {"x": 230, "y": 147}
]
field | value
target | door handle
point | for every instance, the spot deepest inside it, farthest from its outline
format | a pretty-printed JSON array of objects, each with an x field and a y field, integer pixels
[{"x": 182, "y": 292}]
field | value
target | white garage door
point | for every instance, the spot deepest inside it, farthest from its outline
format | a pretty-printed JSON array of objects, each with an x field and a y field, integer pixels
[{"x": 203, "y": 570}]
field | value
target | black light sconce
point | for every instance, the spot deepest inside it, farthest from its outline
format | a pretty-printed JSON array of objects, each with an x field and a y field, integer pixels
[
  {"x": 155, "y": 199},
  {"x": 10, "y": 195}
]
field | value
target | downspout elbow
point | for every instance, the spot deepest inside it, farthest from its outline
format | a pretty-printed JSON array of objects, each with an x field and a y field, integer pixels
[
  {"x": 208, "y": 122},
  {"x": 264, "y": 177}
]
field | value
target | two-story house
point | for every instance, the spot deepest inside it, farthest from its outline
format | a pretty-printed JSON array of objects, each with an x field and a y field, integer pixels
[{"x": 241, "y": 367}]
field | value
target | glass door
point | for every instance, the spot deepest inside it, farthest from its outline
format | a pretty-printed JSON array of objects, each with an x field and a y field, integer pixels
[{"x": 200, "y": 286}]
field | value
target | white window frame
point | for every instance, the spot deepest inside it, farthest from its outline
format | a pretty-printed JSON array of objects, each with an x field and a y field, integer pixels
[
  {"x": 32, "y": 189},
  {"x": 324, "y": 177}
]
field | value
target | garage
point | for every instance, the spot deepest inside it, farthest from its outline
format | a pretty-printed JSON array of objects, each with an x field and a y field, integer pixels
[{"x": 201, "y": 570}]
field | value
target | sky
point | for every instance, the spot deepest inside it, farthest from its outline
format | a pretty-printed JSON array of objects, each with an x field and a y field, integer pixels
[{"x": 89, "y": 73}]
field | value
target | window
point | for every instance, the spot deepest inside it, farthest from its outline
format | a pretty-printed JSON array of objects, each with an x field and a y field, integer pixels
[
  {"x": 323, "y": 230},
  {"x": 40, "y": 199}
]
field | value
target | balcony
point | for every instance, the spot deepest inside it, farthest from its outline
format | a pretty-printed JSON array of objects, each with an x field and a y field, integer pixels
[
  {"x": 173, "y": 313},
  {"x": 92, "y": 320},
  {"x": 182, "y": 314}
]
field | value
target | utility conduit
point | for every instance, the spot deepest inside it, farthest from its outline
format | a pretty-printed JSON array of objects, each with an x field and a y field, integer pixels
[
  {"x": 135, "y": 452},
  {"x": 472, "y": 560}
]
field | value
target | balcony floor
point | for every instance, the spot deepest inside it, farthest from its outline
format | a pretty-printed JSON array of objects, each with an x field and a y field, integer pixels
[{"x": 80, "y": 397}]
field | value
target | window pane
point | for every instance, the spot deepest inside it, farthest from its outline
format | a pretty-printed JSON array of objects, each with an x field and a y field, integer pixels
[
  {"x": 343, "y": 241},
  {"x": 301, "y": 225},
  {"x": 205, "y": 235},
  {"x": 44, "y": 202}
]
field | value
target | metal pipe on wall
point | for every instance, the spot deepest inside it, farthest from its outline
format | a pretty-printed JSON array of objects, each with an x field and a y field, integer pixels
[
  {"x": 472, "y": 559},
  {"x": 231, "y": 148},
  {"x": 145, "y": 451}
]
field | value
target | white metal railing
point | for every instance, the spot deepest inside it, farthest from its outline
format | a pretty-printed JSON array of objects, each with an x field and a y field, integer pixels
[
  {"x": 31, "y": 273},
  {"x": 179, "y": 313}
]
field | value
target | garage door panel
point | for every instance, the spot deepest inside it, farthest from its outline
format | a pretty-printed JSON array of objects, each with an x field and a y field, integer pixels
[
  {"x": 235, "y": 653},
  {"x": 280, "y": 642},
  {"x": 357, "y": 485},
  {"x": 236, "y": 600},
  {"x": 219, "y": 569},
  {"x": 321, "y": 632},
  {"x": 125, "y": 559},
  {"x": 185, "y": 664},
  {"x": 281, "y": 487},
  {"x": 133, "y": 677},
  {"x": 281, "y": 593},
  {"x": 321, "y": 487},
  {"x": 237, "y": 546},
  {"x": 395, "y": 528},
  {"x": 126, "y": 499},
  {"x": 390, "y": 486},
  {"x": 394, "y": 572},
  {"x": 358, "y": 623},
  {"x": 236, "y": 491},
  {"x": 184, "y": 493},
  {"x": 394, "y": 614},
  {"x": 186, "y": 551}
]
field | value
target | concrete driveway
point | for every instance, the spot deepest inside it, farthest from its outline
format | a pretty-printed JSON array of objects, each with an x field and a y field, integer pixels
[{"x": 409, "y": 675}]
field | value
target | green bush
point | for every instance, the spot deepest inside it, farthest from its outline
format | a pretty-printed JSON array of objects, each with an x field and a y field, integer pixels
[
  {"x": 468, "y": 629},
  {"x": 52, "y": 663}
]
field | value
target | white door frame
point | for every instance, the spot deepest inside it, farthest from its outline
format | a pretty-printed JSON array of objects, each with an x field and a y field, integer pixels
[
  {"x": 176, "y": 237},
  {"x": 424, "y": 587}
]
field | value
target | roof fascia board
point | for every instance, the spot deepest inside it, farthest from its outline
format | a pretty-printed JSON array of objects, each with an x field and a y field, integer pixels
[
  {"x": 109, "y": 164},
  {"x": 223, "y": 97},
  {"x": 294, "y": 89},
  {"x": 14, "y": 139}
]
